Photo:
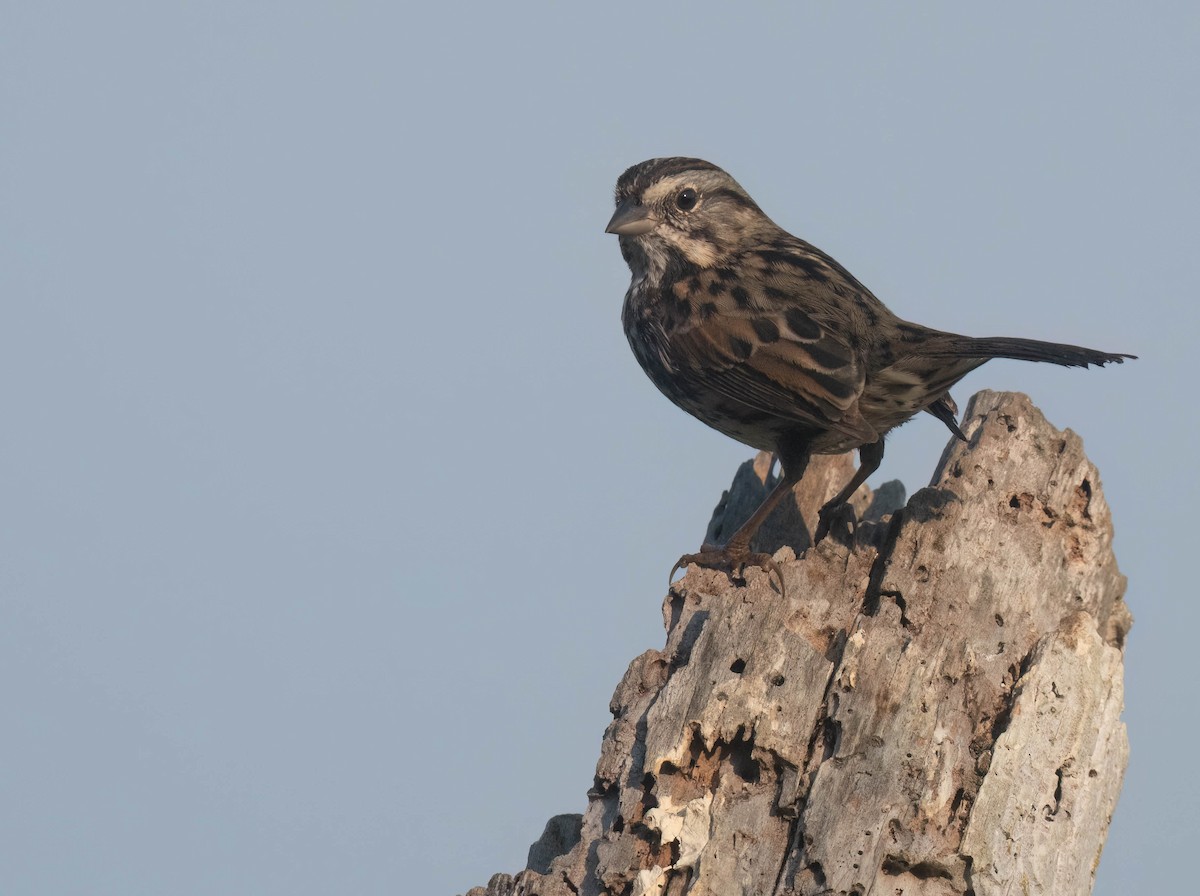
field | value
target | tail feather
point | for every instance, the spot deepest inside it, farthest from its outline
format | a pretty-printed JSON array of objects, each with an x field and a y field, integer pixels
[{"x": 1020, "y": 350}]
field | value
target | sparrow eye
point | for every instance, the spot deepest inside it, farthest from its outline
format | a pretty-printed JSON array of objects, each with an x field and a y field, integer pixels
[{"x": 686, "y": 199}]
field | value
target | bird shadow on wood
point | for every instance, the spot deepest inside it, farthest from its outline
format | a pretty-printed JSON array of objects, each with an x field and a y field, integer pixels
[{"x": 863, "y": 520}]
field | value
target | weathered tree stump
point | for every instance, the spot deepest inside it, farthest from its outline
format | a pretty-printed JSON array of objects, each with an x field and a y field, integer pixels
[{"x": 933, "y": 708}]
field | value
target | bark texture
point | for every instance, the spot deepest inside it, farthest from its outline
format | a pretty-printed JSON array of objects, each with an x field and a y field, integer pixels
[{"x": 933, "y": 708}]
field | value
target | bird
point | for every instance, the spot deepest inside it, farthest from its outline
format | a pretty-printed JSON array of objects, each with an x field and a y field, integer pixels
[{"x": 767, "y": 339}]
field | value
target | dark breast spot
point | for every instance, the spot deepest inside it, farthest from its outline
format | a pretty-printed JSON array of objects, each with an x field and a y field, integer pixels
[
  {"x": 740, "y": 296},
  {"x": 707, "y": 310},
  {"x": 765, "y": 329},
  {"x": 801, "y": 324},
  {"x": 675, "y": 308}
]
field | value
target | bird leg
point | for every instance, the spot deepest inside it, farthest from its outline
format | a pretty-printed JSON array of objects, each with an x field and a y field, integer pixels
[
  {"x": 870, "y": 456},
  {"x": 735, "y": 554}
]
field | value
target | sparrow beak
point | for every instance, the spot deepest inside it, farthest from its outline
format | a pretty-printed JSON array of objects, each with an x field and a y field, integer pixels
[{"x": 631, "y": 219}]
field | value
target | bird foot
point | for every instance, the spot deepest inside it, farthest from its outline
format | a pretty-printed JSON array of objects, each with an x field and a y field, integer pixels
[
  {"x": 732, "y": 557},
  {"x": 834, "y": 513}
]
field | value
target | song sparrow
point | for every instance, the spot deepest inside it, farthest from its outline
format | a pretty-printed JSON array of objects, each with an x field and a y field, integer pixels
[{"x": 767, "y": 339}]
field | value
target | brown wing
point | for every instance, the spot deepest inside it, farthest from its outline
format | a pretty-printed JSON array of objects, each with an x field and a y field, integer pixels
[{"x": 770, "y": 355}]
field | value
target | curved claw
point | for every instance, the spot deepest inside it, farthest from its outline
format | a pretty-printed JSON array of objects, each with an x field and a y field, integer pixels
[
  {"x": 734, "y": 558},
  {"x": 681, "y": 563}
]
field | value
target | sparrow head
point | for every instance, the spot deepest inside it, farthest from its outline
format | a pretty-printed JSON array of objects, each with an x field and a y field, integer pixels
[{"x": 683, "y": 207}]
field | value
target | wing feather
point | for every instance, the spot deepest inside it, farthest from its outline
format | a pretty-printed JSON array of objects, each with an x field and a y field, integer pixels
[{"x": 772, "y": 356}]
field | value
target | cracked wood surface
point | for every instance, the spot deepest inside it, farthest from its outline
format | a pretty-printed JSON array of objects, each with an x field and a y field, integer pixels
[{"x": 934, "y": 708}]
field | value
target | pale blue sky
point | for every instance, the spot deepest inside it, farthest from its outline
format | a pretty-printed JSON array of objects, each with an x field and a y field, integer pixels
[{"x": 332, "y": 502}]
